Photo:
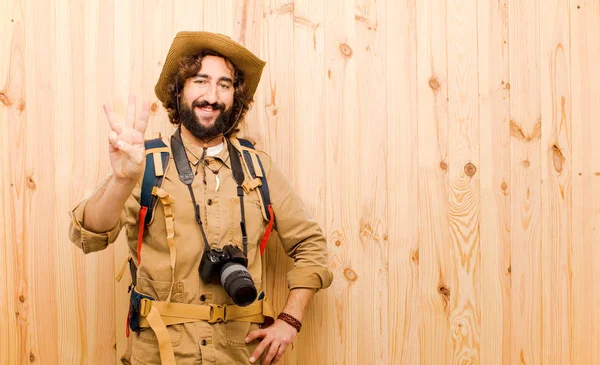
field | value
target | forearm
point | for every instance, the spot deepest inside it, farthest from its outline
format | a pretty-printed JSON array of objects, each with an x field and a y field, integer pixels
[
  {"x": 104, "y": 208},
  {"x": 298, "y": 301}
]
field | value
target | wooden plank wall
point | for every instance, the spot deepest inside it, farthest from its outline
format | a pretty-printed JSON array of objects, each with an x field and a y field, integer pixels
[{"x": 449, "y": 149}]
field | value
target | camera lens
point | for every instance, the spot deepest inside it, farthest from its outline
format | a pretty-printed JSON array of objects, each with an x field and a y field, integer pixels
[{"x": 238, "y": 283}]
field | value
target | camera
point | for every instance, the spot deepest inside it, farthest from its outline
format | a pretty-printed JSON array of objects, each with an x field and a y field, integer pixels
[{"x": 229, "y": 266}]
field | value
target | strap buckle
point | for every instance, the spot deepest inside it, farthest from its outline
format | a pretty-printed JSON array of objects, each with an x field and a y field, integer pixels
[
  {"x": 217, "y": 313},
  {"x": 145, "y": 306}
]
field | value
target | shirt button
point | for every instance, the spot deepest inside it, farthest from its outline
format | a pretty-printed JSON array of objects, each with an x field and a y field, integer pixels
[
  {"x": 203, "y": 342},
  {"x": 209, "y": 202},
  {"x": 202, "y": 297}
]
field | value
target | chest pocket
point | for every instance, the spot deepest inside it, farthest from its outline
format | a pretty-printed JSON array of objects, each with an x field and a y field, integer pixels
[{"x": 255, "y": 224}]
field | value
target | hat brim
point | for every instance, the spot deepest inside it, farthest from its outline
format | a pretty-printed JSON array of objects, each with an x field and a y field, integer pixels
[{"x": 188, "y": 44}]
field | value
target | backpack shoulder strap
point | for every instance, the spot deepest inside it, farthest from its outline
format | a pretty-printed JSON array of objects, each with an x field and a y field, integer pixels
[
  {"x": 257, "y": 171},
  {"x": 157, "y": 161}
]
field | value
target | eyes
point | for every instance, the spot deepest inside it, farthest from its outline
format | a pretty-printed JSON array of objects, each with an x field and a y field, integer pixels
[{"x": 223, "y": 86}]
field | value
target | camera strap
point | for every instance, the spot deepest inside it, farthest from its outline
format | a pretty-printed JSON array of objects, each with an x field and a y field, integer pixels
[
  {"x": 238, "y": 176},
  {"x": 187, "y": 177}
]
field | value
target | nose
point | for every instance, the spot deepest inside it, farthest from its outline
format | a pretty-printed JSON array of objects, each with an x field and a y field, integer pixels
[{"x": 211, "y": 95}]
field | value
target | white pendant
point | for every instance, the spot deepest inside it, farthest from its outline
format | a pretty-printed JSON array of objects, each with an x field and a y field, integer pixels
[{"x": 218, "y": 183}]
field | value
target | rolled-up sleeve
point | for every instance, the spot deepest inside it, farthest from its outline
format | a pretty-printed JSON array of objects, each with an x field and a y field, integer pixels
[
  {"x": 300, "y": 234},
  {"x": 90, "y": 241}
]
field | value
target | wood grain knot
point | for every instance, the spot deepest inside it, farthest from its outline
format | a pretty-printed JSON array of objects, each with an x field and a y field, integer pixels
[
  {"x": 507, "y": 86},
  {"x": 329, "y": 73},
  {"x": 385, "y": 237},
  {"x": 504, "y": 188},
  {"x": 470, "y": 169},
  {"x": 346, "y": 50},
  {"x": 595, "y": 173},
  {"x": 366, "y": 21},
  {"x": 22, "y": 298},
  {"x": 522, "y": 356},
  {"x": 21, "y": 107},
  {"x": 4, "y": 99},
  {"x": 509, "y": 270},
  {"x": 154, "y": 107},
  {"x": 525, "y": 163},
  {"x": 557, "y": 158},
  {"x": 434, "y": 83},
  {"x": 350, "y": 274},
  {"x": 444, "y": 291},
  {"x": 275, "y": 111},
  {"x": 415, "y": 256},
  {"x": 30, "y": 183},
  {"x": 338, "y": 243},
  {"x": 517, "y": 132},
  {"x": 31, "y": 357},
  {"x": 443, "y": 165}
]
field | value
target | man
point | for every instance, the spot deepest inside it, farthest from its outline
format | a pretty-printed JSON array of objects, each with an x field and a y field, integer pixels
[{"x": 176, "y": 313}]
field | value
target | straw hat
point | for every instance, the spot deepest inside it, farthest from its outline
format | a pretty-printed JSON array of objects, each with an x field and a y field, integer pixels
[{"x": 192, "y": 43}]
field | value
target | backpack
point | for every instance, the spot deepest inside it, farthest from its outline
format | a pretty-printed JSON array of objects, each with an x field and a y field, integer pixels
[{"x": 157, "y": 160}]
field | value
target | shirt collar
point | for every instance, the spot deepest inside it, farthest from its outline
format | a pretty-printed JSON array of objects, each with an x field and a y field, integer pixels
[{"x": 194, "y": 152}]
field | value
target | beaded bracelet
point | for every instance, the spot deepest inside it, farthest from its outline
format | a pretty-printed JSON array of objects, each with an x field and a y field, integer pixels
[{"x": 290, "y": 320}]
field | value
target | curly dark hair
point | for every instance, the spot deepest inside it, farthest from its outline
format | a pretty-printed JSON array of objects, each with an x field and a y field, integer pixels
[{"x": 190, "y": 66}]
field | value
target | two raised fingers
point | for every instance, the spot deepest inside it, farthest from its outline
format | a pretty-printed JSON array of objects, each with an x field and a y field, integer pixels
[{"x": 139, "y": 125}]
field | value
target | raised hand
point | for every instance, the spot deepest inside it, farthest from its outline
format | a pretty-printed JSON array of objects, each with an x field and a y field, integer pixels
[{"x": 126, "y": 142}]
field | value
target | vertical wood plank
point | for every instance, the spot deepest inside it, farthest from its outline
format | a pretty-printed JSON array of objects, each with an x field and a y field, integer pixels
[
  {"x": 585, "y": 57},
  {"x": 156, "y": 38},
  {"x": 463, "y": 151},
  {"x": 14, "y": 286},
  {"x": 525, "y": 127},
  {"x": 556, "y": 175},
  {"x": 402, "y": 184},
  {"x": 341, "y": 139},
  {"x": 310, "y": 160},
  {"x": 436, "y": 270},
  {"x": 248, "y": 31},
  {"x": 494, "y": 157},
  {"x": 43, "y": 332},
  {"x": 370, "y": 253},
  {"x": 278, "y": 129}
]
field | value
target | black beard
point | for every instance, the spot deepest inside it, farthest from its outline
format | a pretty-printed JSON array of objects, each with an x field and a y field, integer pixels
[{"x": 190, "y": 121}]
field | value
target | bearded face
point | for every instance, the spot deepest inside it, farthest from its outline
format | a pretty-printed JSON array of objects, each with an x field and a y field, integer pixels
[
  {"x": 202, "y": 128},
  {"x": 206, "y": 102}
]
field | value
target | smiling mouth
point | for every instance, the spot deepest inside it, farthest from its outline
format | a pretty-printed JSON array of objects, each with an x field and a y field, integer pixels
[{"x": 207, "y": 110}]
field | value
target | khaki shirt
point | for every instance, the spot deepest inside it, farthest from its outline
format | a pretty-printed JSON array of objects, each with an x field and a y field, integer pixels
[{"x": 201, "y": 342}]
